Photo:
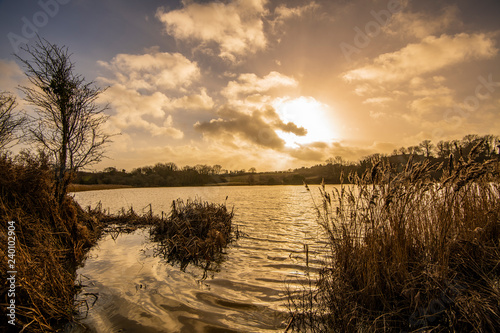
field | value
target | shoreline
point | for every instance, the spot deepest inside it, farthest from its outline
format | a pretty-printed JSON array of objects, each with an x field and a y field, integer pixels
[{"x": 73, "y": 188}]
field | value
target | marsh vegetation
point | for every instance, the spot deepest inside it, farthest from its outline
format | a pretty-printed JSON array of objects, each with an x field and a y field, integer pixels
[{"x": 407, "y": 252}]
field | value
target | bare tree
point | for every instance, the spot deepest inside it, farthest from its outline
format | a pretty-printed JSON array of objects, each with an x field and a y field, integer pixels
[
  {"x": 217, "y": 169},
  {"x": 427, "y": 147},
  {"x": 414, "y": 150},
  {"x": 339, "y": 160},
  {"x": 9, "y": 122},
  {"x": 470, "y": 139},
  {"x": 69, "y": 120},
  {"x": 444, "y": 149}
]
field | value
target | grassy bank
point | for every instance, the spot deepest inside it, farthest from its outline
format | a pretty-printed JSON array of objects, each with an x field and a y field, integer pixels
[
  {"x": 50, "y": 241},
  {"x": 409, "y": 254}
]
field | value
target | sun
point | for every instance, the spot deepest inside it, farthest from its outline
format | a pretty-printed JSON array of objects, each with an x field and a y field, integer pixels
[{"x": 308, "y": 113}]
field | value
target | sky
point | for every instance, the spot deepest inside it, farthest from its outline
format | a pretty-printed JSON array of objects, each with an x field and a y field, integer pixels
[{"x": 271, "y": 84}]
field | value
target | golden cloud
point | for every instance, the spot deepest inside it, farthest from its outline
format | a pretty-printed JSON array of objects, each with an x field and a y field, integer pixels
[
  {"x": 236, "y": 27},
  {"x": 154, "y": 71},
  {"x": 251, "y": 84},
  {"x": 134, "y": 110},
  {"x": 430, "y": 55}
]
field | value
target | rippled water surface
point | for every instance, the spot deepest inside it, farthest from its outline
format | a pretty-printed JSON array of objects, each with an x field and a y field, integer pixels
[{"x": 138, "y": 292}]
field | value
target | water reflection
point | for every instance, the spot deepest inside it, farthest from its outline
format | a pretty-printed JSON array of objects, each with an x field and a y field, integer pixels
[{"x": 139, "y": 292}]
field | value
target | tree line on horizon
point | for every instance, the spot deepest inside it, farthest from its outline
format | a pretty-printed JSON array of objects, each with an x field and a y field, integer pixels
[{"x": 169, "y": 174}]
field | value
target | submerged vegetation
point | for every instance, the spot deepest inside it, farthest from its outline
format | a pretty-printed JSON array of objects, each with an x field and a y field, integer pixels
[
  {"x": 408, "y": 253},
  {"x": 194, "y": 232}
]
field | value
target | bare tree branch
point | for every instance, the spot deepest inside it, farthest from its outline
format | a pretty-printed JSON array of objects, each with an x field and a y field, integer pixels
[
  {"x": 9, "y": 122},
  {"x": 69, "y": 120}
]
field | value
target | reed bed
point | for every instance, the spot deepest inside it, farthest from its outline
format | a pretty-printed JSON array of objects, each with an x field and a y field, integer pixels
[
  {"x": 125, "y": 221},
  {"x": 50, "y": 242},
  {"x": 409, "y": 253},
  {"x": 195, "y": 232}
]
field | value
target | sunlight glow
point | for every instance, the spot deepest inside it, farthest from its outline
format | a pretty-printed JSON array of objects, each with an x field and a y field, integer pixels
[{"x": 305, "y": 112}]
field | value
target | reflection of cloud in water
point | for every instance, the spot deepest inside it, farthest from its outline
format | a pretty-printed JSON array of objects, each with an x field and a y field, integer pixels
[{"x": 138, "y": 291}]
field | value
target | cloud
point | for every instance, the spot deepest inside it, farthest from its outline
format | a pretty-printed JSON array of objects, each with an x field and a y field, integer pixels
[
  {"x": 11, "y": 75},
  {"x": 236, "y": 26},
  {"x": 421, "y": 25},
  {"x": 377, "y": 114},
  {"x": 258, "y": 128},
  {"x": 151, "y": 72},
  {"x": 310, "y": 153},
  {"x": 430, "y": 95},
  {"x": 201, "y": 101},
  {"x": 253, "y": 90},
  {"x": 428, "y": 104},
  {"x": 145, "y": 112},
  {"x": 377, "y": 100},
  {"x": 427, "y": 56},
  {"x": 320, "y": 151},
  {"x": 283, "y": 13}
]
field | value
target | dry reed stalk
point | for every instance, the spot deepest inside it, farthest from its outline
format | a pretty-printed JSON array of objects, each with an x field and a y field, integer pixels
[
  {"x": 194, "y": 232},
  {"x": 51, "y": 241},
  {"x": 409, "y": 253}
]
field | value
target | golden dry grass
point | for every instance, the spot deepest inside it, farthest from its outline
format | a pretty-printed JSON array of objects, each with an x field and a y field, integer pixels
[
  {"x": 408, "y": 253},
  {"x": 194, "y": 232},
  {"x": 51, "y": 240}
]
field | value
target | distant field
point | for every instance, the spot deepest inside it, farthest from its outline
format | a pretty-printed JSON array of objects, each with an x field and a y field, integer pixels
[{"x": 97, "y": 187}]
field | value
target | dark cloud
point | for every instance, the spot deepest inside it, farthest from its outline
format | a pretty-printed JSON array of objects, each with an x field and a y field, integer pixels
[
  {"x": 258, "y": 127},
  {"x": 308, "y": 153},
  {"x": 291, "y": 128}
]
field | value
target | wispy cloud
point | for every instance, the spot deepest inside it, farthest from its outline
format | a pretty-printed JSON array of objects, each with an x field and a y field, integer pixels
[
  {"x": 427, "y": 56},
  {"x": 254, "y": 89},
  {"x": 377, "y": 100},
  {"x": 282, "y": 13},
  {"x": 420, "y": 25}
]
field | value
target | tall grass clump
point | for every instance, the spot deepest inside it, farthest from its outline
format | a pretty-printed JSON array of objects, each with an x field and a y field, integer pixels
[
  {"x": 125, "y": 220},
  {"x": 51, "y": 240},
  {"x": 194, "y": 232},
  {"x": 408, "y": 252}
]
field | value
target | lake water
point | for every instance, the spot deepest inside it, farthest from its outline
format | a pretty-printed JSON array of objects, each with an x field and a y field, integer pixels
[{"x": 138, "y": 292}]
